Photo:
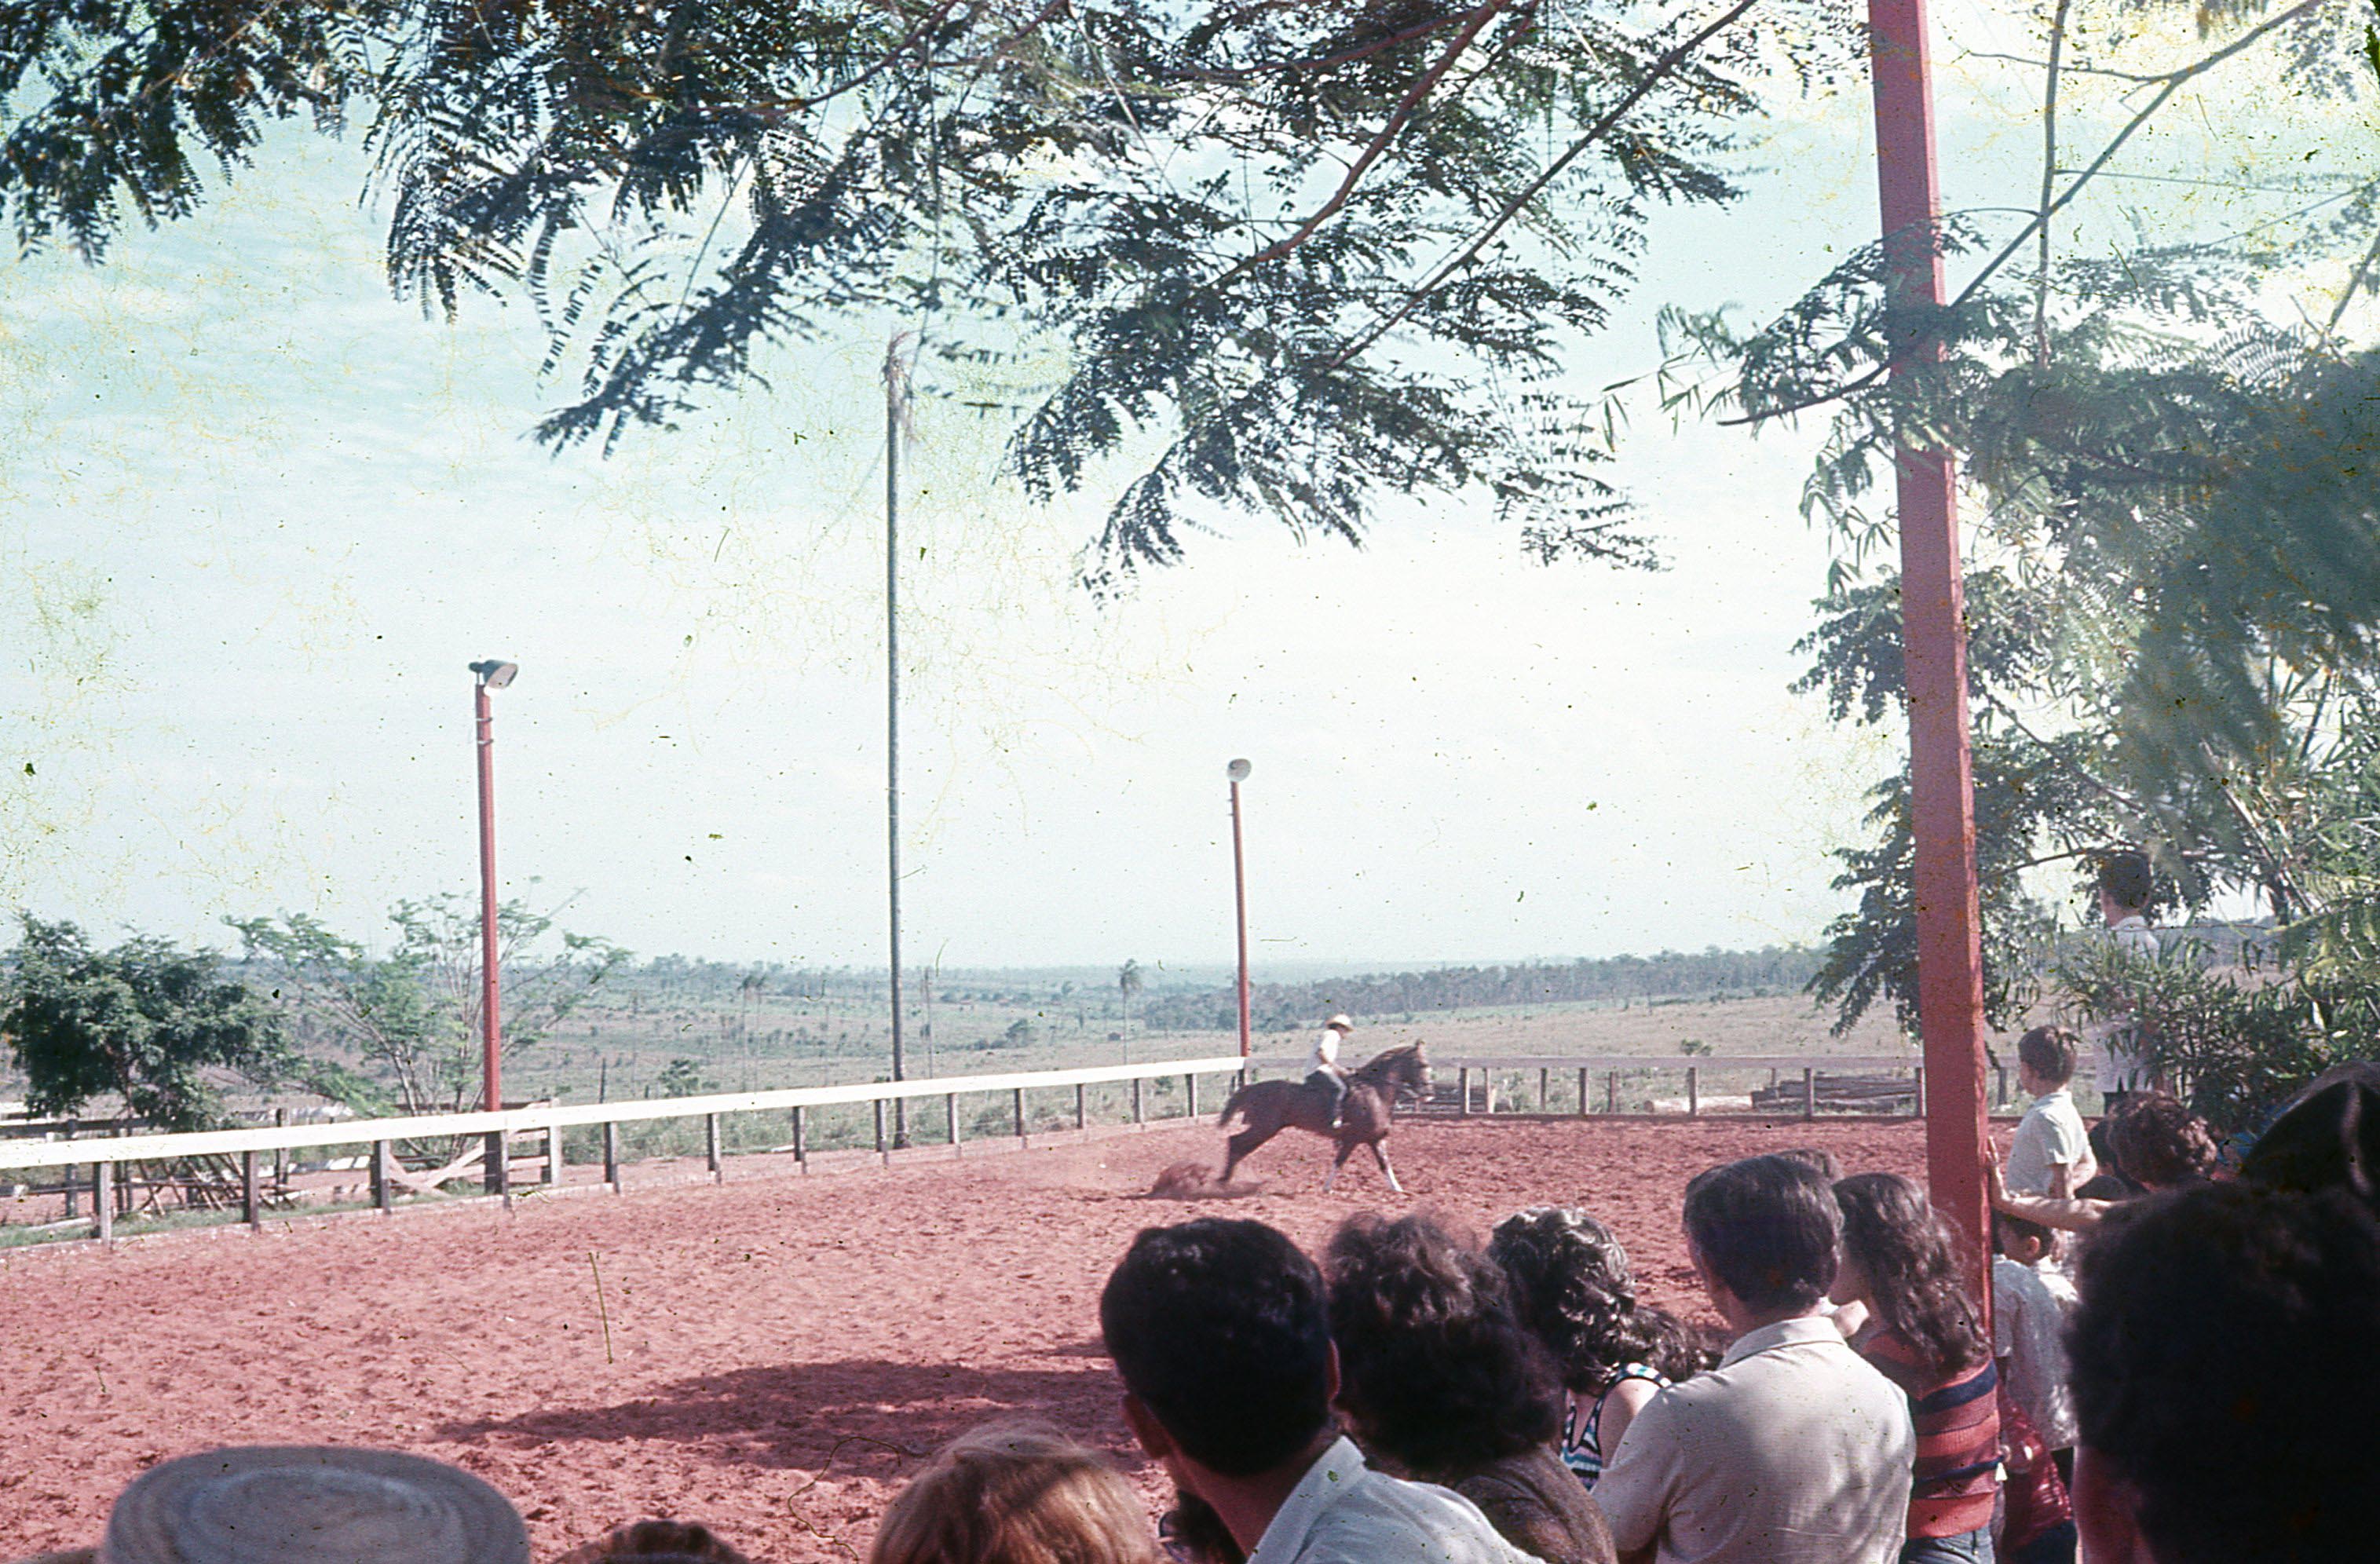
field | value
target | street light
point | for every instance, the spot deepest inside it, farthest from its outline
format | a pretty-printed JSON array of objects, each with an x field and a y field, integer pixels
[
  {"x": 493, "y": 675},
  {"x": 1238, "y": 772}
]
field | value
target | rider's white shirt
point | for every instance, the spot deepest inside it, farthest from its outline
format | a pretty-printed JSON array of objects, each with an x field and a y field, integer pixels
[
  {"x": 1344, "y": 1512},
  {"x": 1326, "y": 1051}
]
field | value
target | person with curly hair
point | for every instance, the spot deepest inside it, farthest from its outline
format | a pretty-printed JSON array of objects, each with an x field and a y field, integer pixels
[
  {"x": 2157, "y": 1143},
  {"x": 1572, "y": 1289},
  {"x": 1439, "y": 1383},
  {"x": 2227, "y": 1363},
  {"x": 1924, "y": 1334}
]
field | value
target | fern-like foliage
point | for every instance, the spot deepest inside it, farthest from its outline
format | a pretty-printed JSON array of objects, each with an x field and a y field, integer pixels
[{"x": 1302, "y": 257}]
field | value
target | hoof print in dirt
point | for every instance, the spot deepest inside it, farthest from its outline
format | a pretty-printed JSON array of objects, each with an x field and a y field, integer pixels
[{"x": 1195, "y": 1181}]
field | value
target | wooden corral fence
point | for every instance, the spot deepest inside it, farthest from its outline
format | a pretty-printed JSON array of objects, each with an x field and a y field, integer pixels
[
  {"x": 101, "y": 1157},
  {"x": 1798, "y": 1084},
  {"x": 1875, "y": 1086}
]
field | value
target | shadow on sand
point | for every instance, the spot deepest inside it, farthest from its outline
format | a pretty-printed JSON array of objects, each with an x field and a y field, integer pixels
[{"x": 868, "y": 1418}]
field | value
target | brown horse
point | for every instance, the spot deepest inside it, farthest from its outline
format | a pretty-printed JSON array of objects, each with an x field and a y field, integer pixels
[{"x": 1267, "y": 1107}]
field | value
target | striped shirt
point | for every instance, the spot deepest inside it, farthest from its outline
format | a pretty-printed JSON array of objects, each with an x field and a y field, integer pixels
[
  {"x": 1582, "y": 1444},
  {"x": 1958, "y": 1436}
]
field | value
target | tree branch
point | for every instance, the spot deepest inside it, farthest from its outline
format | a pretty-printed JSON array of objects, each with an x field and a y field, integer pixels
[{"x": 1378, "y": 146}]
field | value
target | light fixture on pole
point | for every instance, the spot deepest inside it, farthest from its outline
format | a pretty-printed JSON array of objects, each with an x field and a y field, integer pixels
[
  {"x": 493, "y": 675},
  {"x": 1238, "y": 772}
]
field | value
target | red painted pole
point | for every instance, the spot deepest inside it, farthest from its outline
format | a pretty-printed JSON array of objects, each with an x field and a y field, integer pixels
[
  {"x": 495, "y": 1165},
  {"x": 1950, "y": 955},
  {"x": 1240, "y": 895}
]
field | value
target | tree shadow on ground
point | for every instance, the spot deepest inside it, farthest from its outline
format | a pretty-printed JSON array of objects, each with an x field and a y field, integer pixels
[{"x": 867, "y": 1417}]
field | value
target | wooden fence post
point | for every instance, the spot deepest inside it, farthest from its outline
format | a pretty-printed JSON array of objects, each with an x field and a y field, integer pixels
[
  {"x": 384, "y": 1195},
  {"x": 1190, "y": 1085},
  {"x": 710, "y": 1148},
  {"x": 1138, "y": 1117},
  {"x": 1017, "y": 1111},
  {"x": 1611, "y": 1092},
  {"x": 1463, "y": 1090},
  {"x": 553, "y": 1156},
  {"x": 1545, "y": 1091},
  {"x": 498, "y": 1160},
  {"x": 801, "y": 1143},
  {"x": 1693, "y": 1092},
  {"x": 611, "y": 1154},
  {"x": 2001, "y": 1098},
  {"x": 281, "y": 1153},
  {"x": 1585, "y": 1098},
  {"x": 879, "y": 1126},
  {"x": 1082, "y": 1114},
  {"x": 1917, "y": 1092},
  {"x": 250, "y": 1209},
  {"x": 1809, "y": 1092},
  {"x": 950, "y": 1116},
  {"x": 102, "y": 1199}
]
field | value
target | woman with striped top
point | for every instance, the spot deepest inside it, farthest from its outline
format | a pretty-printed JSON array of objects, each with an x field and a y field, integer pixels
[
  {"x": 1572, "y": 1289},
  {"x": 1924, "y": 1335}
]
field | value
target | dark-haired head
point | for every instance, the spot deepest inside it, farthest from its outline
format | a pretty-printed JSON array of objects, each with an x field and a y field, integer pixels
[
  {"x": 2126, "y": 880},
  {"x": 2020, "y": 1240},
  {"x": 1766, "y": 1228},
  {"x": 1436, "y": 1373},
  {"x": 1572, "y": 1288},
  {"x": 1904, "y": 1250},
  {"x": 2225, "y": 1362},
  {"x": 2159, "y": 1144},
  {"x": 1816, "y": 1157},
  {"x": 2329, "y": 1137},
  {"x": 2049, "y": 1053},
  {"x": 1220, "y": 1330}
]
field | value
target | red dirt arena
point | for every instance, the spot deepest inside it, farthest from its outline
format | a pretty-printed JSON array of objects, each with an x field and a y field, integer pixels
[{"x": 781, "y": 1351}]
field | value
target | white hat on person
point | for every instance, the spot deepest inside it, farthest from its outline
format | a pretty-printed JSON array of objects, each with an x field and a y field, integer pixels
[{"x": 1342, "y": 1023}]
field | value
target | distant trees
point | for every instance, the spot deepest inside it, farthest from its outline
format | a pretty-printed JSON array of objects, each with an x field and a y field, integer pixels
[
  {"x": 147, "y": 1022},
  {"x": 413, "y": 1015},
  {"x": 1281, "y": 1006}
]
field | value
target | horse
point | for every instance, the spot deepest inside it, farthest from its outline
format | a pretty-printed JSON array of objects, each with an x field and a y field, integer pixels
[{"x": 1267, "y": 1107}]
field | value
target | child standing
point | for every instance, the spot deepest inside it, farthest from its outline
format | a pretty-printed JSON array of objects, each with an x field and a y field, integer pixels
[
  {"x": 2032, "y": 1295},
  {"x": 2051, "y": 1153}
]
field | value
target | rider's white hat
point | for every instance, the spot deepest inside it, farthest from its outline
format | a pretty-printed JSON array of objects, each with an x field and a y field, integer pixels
[{"x": 1342, "y": 1023}]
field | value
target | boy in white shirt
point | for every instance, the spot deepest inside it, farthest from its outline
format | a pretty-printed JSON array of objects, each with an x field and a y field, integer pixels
[
  {"x": 2030, "y": 1298},
  {"x": 2051, "y": 1152}
]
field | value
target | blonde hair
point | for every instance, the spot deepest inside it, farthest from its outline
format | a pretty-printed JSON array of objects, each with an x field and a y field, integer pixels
[{"x": 1016, "y": 1493}]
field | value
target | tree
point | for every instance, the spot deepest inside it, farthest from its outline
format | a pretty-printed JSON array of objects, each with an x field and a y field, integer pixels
[
  {"x": 1128, "y": 986},
  {"x": 414, "y": 1013},
  {"x": 1306, "y": 255},
  {"x": 147, "y": 1022}
]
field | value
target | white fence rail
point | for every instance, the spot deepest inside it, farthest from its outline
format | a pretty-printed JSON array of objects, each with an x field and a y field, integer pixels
[{"x": 97, "y": 1159}]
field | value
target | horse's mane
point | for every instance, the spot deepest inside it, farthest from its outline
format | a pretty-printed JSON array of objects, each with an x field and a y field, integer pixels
[{"x": 1385, "y": 1064}]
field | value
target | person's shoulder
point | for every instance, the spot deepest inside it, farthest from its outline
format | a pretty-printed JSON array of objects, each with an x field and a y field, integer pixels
[{"x": 1394, "y": 1517}]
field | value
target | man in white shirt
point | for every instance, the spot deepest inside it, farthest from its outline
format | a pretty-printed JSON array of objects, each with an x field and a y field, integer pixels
[
  {"x": 1221, "y": 1334},
  {"x": 2125, "y": 885},
  {"x": 1794, "y": 1451},
  {"x": 2050, "y": 1153},
  {"x": 1322, "y": 1065}
]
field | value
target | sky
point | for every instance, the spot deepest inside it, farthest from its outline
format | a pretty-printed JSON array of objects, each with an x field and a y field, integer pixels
[{"x": 256, "y": 515}]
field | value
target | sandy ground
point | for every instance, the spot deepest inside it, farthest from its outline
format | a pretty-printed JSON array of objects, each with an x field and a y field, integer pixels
[{"x": 771, "y": 1356}]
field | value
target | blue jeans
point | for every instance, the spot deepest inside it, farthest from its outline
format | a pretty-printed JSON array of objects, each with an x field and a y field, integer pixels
[
  {"x": 1967, "y": 1547},
  {"x": 2056, "y": 1546}
]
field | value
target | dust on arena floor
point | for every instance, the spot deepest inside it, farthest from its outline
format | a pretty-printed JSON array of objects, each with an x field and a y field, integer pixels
[{"x": 772, "y": 1356}]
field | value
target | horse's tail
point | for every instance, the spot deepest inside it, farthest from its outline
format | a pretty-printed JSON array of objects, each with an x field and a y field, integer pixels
[{"x": 1230, "y": 1108}]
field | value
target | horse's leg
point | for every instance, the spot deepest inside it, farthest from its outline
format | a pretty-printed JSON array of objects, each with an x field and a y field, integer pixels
[
  {"x": 1381, "y": 1155},
  {"x": 1236, "y": 1149},
  {"x": 1338, "y": 1164}
]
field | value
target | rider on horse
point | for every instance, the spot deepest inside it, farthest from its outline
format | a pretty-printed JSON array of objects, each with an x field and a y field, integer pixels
[{"x": 1322, "y": 1069}]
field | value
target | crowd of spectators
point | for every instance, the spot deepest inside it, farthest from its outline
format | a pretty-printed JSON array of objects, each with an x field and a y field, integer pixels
[{"x": 2188, "y": 1374}]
